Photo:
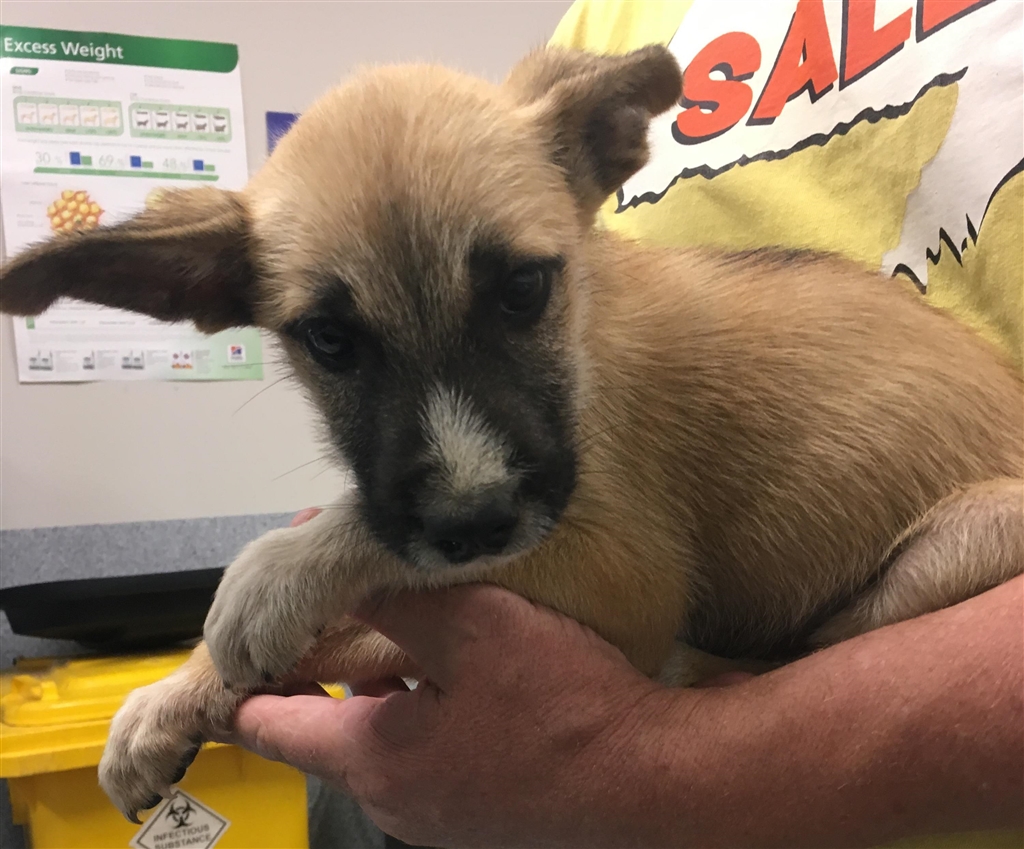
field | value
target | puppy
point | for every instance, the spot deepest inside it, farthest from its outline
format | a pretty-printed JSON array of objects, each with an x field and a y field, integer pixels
[{"x": 704, "y": 457}]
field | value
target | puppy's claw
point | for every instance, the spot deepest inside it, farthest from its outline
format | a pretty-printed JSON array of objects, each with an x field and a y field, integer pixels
[{"x": 186, "y": 762}]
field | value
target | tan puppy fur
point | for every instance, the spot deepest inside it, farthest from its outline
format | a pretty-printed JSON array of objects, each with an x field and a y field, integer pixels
[{"x": 746, "y": 455}]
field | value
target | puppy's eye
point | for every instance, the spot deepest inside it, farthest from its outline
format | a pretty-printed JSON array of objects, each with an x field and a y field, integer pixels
[
  {"x": 328, "y": 342},
  {"x": 524, "y": 293}
]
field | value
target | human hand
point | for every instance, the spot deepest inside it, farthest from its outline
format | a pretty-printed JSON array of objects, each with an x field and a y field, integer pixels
[{"x": 495, "y": 748}]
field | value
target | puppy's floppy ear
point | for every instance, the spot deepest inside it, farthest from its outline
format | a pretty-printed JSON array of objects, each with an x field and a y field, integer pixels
[
  {"x": 187, "y": 256},
  {"x": 595, "y": 110}
]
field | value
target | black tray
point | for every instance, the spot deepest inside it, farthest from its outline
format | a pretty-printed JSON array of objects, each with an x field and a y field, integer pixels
[{"x": 114, "y": 614}]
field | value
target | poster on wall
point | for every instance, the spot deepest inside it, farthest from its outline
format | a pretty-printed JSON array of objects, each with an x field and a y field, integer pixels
[
  {"x": 92, "y": 123},
  {"x": 278, "y": 123}
]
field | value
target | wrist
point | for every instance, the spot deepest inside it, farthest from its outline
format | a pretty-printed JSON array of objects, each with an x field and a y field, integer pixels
[
  {"x": 689, "y": 760},
  {"x": 663, "y": 771}
]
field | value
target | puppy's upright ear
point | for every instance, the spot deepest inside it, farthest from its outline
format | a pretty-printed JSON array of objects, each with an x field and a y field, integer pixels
[
  {"x": 187, "y": 256},
  {"x": 594, "y": 110}
]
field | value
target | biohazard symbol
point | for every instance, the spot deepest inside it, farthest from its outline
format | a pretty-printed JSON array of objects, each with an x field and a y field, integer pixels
[{"x": 180, "y": 813}]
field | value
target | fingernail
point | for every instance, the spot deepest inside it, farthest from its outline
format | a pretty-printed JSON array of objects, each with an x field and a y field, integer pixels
[{"x": 304, "y": 516}]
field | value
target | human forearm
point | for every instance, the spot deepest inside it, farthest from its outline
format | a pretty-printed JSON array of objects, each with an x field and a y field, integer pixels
[{"x": 913, "y": 729}]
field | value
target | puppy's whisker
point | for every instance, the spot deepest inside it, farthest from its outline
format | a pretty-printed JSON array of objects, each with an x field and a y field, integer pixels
[
  {"x": 264, "y": 389},
  {"x": 270, "y": 363},
  {"x": 302, "y": 466}
]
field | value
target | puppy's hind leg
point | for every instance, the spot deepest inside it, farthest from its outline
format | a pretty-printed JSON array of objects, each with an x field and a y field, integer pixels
[{"x": 966, "y": 544}]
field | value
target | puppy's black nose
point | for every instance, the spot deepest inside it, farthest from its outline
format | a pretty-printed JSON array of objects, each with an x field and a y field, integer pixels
[{"x": 486, "y": 531}]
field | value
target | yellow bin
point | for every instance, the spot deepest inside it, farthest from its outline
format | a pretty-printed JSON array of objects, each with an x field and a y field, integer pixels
[{"x": 54, "y": 717}]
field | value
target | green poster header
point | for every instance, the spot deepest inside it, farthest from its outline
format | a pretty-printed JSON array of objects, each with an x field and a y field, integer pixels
[{"x": 110, "y": 48}]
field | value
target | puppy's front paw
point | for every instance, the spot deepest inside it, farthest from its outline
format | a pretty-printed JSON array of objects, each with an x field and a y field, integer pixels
[
  {"x": 147, "y": 750},
  {"x": 262, "y": 620}
]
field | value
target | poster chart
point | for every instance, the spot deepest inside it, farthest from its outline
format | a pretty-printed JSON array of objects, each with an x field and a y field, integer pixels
[{"x": 92, "y": 123}]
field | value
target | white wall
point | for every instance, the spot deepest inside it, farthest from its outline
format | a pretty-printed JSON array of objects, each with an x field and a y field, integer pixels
[{"x": 96, "y": 453}]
